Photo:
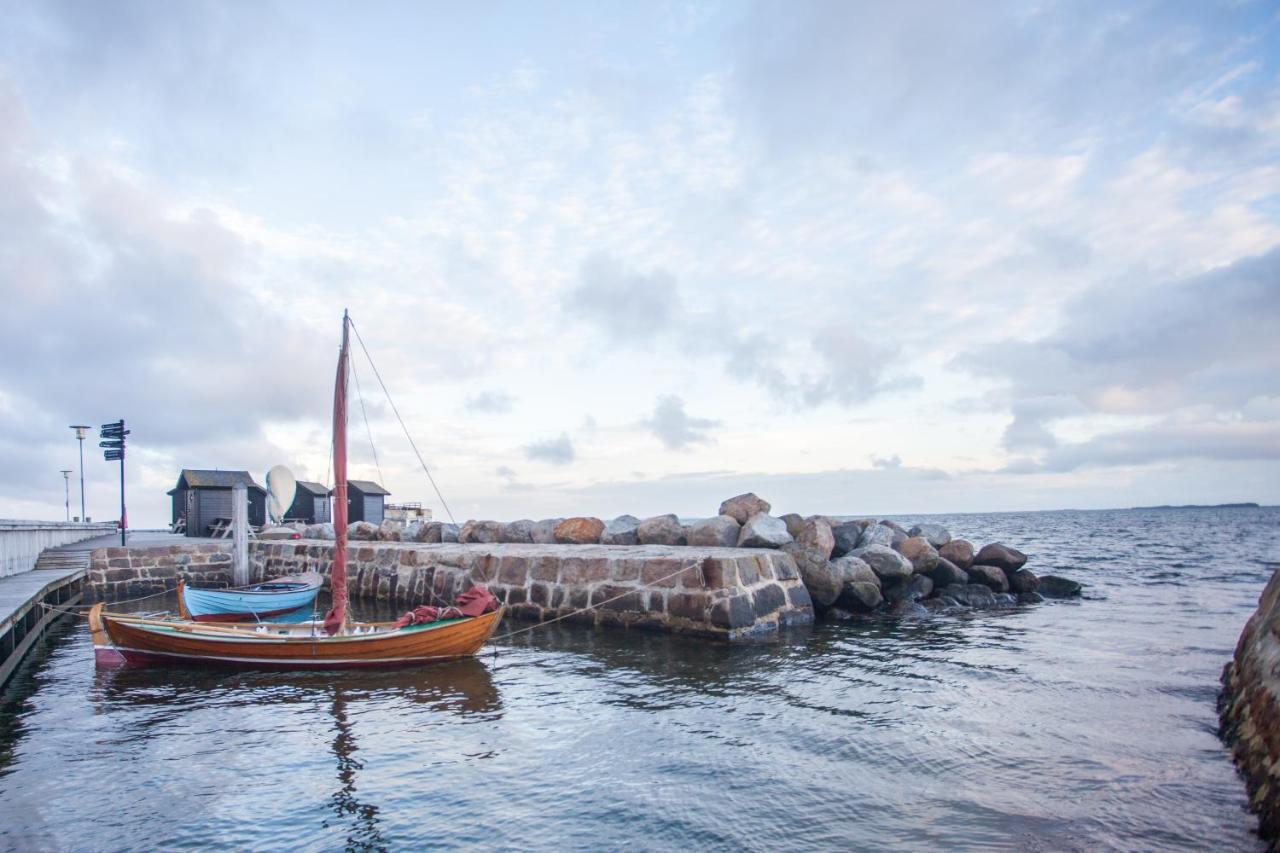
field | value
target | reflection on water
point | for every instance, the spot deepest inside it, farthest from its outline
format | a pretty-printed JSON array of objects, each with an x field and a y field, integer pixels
[{"x": 1074, "y": 725}]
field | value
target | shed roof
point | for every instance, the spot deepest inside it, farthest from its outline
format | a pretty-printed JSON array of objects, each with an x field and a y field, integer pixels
[
  {"x": 368, "y": 487},
  {"x": 314, "y": 488},
  {"x": 202, "y": 478}
]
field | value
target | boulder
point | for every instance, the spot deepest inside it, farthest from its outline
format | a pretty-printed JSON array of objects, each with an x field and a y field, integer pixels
[
  {"x": 448, "y": 532},
  {"x": 922, "y": 555},
  {"x": 763, "y": 531},
  {"x": 362, "y": 531},
  {"x": 429, "y": 532},
  {"x": 389, "y": 530},
  {"x": 580, "y": 530},
  {"x": 908, "y": 607},
  {"x": 947, "y": 573},
  {"x": 1001, "y": 556},
  {"x": 1023, "y": 581},
  {"x": 516, "y": 531},
  {"x": 480, "y": 531},
  {"x": 935, "y": 534},
  {"x": 281, "y": 532},
  {"x": 970, "y": 595},
  {"x": 823, "y": 581},
  {"x": 816, "y": 534},
  {"x": 893, "y": 525},
  {"x": 861, "y": 597},
  {"x": 620, "y": 531},
  {"x": 851, "y": 569},
  {"x": 1052, "y": 586},
  {"x": 913, "y": 588},
  {"x": 876, "y": 534},
  {"x": 720, "y": 531},
  {"x": 958, "y": 551},
  {"x": 319, "y": 531},
  {"x": 412, "y": 531},
  {"x": 887, "y": 563},
  {"x": 794, "y": 522},
  {"x": 544, "y": 532},
  {"x": 661, "y": 530},
  {"x": 742, "y": 507},
  {"x": 845, "y": 537},
  {"x": 1030, "y": 598},
  {"x": 992, "y": 577}
]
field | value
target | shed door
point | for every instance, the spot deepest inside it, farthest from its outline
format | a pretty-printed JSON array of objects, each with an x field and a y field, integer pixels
[
  {"x": 373, "y": 509},
  {"x": 320, "y": 508}
]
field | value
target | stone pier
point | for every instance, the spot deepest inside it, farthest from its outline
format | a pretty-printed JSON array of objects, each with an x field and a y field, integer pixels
[{"x": 727, "y": 593}]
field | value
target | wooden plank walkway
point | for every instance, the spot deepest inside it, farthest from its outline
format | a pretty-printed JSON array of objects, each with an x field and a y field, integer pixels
[{"x": 57, "y": 580}]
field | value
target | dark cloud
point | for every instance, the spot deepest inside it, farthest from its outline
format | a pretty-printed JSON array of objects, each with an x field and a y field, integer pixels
[
  {"x": 489, "y": 403},
  {"x": 626, "y": 305},
  {"x": 555, "y": 451},
  {"x": 675, "y": 427}
]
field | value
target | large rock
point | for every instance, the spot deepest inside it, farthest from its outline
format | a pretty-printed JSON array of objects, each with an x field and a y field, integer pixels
[
  {"x": 922, "y": 555},
  {"x": 1053, "y": 586},
  {"x": 816, "y": 534},
  {"x": 480, "y": 532},
  {"x": 958, "y": 551},
  {"x": 819, "y": 578},
  {"x": 621, "y": 531},
  {"x": 661, "y": 530},
  {"x": 390, "y": 530},
  {"x": 935, "y": 534},
  {"x": 992, "y": 577},
  {"x": 448, "y": 532},
  {"x": 851, "y": 569},
  {"x": 794, "y": 523},
  {"x": 742, "y": 507},
  {"x": 913, "y": 588},
  {"x": 861, "y": 597},
  {"x": 845, "y": 537},
  {"x": 876, "y": 534},
  {"x": 895, "y": 526},
  {"x": 412, "y": 531},
  {"x": 580, "y": 530},
  {"x": 970, "y": 595},
  {"x": 763, "y": 531},
  {"x": 520, "y": 531},
  {"x": 1001, "y": 556},
  {"x": 362, "y": 531},
  {"x": 720, "y": 531},
  {"x": 887, "y": 563},
  {"x": 947, "y": 573},
  {"x": 319, "y": 531},
  {"x": 544, "y": 532},
  {"x": 1023, "y": 581}
]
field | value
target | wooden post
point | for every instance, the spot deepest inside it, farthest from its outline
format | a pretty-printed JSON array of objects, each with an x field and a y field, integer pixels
[{"x": 239, "y": 535}]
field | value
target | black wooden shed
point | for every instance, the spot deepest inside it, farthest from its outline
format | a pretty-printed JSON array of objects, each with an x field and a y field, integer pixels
[
  {"x": 364, "y": 501},
  {"x": 310, "y": 504},
  {"x": 202, "y": 496}
]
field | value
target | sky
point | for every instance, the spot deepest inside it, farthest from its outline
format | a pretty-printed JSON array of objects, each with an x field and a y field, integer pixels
[{"x": 862, "y": 258}]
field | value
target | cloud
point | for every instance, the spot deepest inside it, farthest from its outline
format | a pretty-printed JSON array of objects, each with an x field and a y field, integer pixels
[
  {"x": 489, "y": 402},
  {"x": 894, "y": 461},
  {"x": 1218, "y": 441},
  {"x": 674, "y": 427},
  {"x": 555, "y": 451},
  {"x": 626, "y": 305}
]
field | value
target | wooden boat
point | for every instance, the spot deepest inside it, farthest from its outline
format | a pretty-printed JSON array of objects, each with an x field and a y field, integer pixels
[
  {"x": 332, "y": 643},
  {"x": 255, "y": 602}
]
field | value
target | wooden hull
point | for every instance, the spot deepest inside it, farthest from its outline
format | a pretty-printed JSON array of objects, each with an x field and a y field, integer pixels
[{"x": 152, "y": 641}]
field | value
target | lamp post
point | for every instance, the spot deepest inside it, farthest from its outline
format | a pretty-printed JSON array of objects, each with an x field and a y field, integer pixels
[
  {"x": 81, "y": 431},
  {"x": 66, "y": 490}
]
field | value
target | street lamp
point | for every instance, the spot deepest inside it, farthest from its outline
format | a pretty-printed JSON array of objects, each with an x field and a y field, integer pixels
[
  {"x": 81, "y": 431},
  {"x": 66, "y": 489}
]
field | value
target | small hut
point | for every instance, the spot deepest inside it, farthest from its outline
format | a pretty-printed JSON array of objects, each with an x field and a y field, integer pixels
[
  {"x": 202, "y": 496},
  {"x": 365, "y": 501},
  {"x": 310, "y": 504}
]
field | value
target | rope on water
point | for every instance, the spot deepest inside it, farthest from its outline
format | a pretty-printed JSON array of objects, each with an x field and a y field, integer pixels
[{"x": 545, "y": 622}]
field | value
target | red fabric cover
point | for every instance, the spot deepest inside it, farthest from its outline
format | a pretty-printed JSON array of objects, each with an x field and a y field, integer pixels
[{"x": 473, "y": 602}]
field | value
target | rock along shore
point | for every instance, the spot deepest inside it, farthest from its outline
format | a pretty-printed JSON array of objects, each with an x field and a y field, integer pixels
[{"x": 1249, "y": 710}]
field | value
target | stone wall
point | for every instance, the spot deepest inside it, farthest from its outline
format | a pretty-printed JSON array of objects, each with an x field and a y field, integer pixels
[
  {"x": 1249, "y": 706},
  {"x": 118, "y": 573},
  {"x": 724, "y": 592}
]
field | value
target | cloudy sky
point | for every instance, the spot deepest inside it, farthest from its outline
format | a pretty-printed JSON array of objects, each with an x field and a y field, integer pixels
[{"x": 857, "y": 257}]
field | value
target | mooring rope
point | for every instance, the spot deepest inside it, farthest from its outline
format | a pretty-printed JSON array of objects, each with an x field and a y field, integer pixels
[{"x": 412, "y": 443}]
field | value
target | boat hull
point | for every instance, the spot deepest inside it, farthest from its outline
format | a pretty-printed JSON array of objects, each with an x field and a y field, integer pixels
[
  {"x": 246, "y": 605},
  {"x": 144, "y": 641}
]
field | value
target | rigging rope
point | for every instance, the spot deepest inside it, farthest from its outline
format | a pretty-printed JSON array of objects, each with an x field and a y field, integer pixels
[{"x": 412, "y": 444}]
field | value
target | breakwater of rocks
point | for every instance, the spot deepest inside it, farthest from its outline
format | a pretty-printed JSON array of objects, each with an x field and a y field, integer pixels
[
  {"x": 849, "y": 567},
  {"x": 1249, "y": 709}
]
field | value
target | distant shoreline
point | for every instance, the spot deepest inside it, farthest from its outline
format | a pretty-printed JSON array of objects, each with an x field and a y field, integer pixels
[{"x": 1203, "y": 506}]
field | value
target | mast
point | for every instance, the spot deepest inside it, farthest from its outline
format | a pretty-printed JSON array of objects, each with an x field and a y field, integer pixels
[{"x": 337, "y": 615}]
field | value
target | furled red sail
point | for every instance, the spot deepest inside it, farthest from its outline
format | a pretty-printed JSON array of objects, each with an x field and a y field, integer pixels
[{"x": 337, "y": 615}]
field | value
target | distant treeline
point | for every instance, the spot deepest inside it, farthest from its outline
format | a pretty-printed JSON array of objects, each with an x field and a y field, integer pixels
[{"x": 1202, "y": 506}]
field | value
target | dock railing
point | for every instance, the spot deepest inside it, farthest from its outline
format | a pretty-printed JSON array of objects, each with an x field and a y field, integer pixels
[{"x": 22, "y": 541}]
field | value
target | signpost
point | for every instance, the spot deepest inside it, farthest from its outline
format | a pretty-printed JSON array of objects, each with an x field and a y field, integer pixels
[{"x": 113, "y": 439}]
